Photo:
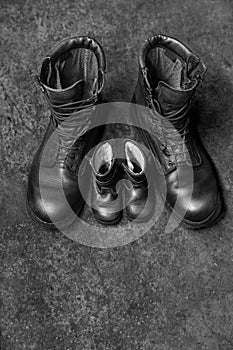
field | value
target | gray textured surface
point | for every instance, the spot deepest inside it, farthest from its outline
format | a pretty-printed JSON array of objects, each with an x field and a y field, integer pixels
[{"x": 162, "y": 292}]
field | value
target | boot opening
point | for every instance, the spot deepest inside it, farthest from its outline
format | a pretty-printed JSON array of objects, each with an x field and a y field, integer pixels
[
  {"x": 78, "y": 65},
  {"x": 134, "y": 157},
  {"x": 166, "y": 66},
  {"x": 103, "y": 159}
]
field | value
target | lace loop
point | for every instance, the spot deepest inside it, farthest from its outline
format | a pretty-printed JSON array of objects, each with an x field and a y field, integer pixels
[
  {"x": 172, "y": 131},
  {"x": 72, "y": 120}
]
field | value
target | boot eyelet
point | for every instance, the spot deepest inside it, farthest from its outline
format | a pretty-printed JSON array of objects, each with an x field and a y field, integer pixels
[
  {"x": 170, "y": 163},
  {"x": 162, "y": 147}
]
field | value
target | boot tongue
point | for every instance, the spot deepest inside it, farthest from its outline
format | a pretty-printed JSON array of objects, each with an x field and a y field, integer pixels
[
  {"x": 72, "y": 77},
  {"x": 77, "y": 92},
  {"x": 174, "y": 87},
  {"x": 172, "y": 100}
]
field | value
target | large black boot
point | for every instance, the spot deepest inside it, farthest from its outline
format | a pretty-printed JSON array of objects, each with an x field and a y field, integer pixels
[
  {"x": 71, "y": 78},
  {"x": 169, "y": 75}
]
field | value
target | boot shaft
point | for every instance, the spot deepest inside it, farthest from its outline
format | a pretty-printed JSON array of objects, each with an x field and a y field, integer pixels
[
  {"x": 168, "y": 77},
  {"x": 169, "y": 74},
  {"x": 72, "y": 74},
  {"x": 71, "y": 78}
]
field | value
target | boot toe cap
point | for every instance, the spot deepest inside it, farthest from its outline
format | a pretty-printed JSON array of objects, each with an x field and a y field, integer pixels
[
  {"x": 199, "y": 210},
  {"x": 107, "y": 215},
  {"x": 139, "y": 210},
  {"x": 51, "y": 207},
  {"x": 203, "y": 210}
]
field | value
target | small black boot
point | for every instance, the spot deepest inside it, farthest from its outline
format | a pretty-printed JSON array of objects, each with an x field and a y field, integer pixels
[
  {"x": 139, "y": 198},
  {"x": 105, "y": 199}
]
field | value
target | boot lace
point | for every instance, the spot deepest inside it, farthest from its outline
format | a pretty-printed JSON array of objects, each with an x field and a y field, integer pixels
[
  {"x": 176, "y": 137},
  {"x": 71, "y": 120},
  {"x": 172, "y": 132}
]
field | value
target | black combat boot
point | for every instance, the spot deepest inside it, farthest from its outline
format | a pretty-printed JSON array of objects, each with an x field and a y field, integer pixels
[
  {"x": 168, "y": 78},
  {"x": 105, "y": 200},
  {"x": 139, "y": 198},
  {"x": 71, "y": 78}
]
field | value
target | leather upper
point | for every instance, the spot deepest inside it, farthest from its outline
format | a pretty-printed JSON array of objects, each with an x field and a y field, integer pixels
[
  {"x": 106, "y": 200},
  {"x": 139, "y": 197},
  {"x": 53, "y": 189},
  {"x": 194, "y": 65},
  {"x": 192, "y": 184}
]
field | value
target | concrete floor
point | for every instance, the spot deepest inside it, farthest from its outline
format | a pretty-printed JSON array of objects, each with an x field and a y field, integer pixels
[{"x": 161, "y": 292}]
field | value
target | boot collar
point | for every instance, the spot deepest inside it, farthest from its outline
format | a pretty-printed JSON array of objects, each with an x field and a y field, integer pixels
[
  {"x": 69, "y": 44},
  {"x": 166, "y": 99},
  {"x": 195, "y": 67},
  {"x": 62, "y": 95},
  {"x": 172, "y": 100}
]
